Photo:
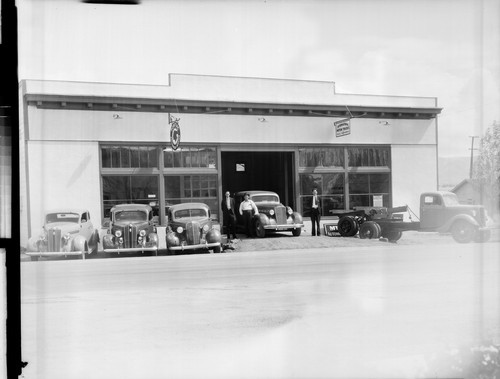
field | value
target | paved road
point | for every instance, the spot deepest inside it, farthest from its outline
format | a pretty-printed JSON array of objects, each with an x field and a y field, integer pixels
[{"x": 362, "y": 311}]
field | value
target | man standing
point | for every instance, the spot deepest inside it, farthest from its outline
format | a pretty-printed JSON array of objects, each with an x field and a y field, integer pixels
[
  {"x": 247, "y": 210},
  {"x": 315, "y": 213},
  {"x": 229, "y": 216}
]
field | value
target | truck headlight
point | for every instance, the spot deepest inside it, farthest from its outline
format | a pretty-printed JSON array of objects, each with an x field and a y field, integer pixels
[
  {"x": 142, "y": 233},
  {"x": 118, "y": 233},
  {"x": 180, "y": 229}
]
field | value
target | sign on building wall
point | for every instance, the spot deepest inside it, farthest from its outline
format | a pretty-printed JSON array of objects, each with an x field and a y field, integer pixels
[
  {"x": 175, "y": 132},
  {"x": 342, "y": 127}
]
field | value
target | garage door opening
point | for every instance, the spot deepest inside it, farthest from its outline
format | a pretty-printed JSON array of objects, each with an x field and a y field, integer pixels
[{"x": 269, "y": 171}]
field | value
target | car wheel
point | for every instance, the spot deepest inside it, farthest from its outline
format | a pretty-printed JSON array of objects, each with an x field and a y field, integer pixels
[
  {"x": 347, "y": 226},
  {"x": 216, "y": 249},
  {"x": 369, "y": 230},
  {"x": 463, "y": 231},
  {"x": 34, "y": 259},
  {"x": 482, "y": 235},
  {"x": 296, "y": 232},
  {"x": 259, "y": 229}
]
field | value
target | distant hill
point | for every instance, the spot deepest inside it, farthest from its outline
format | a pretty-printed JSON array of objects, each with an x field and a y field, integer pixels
[{"x": 452, "y": 170}]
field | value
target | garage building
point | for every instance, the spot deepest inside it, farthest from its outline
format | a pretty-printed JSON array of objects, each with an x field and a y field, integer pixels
[{"x": 94, "y": 145}]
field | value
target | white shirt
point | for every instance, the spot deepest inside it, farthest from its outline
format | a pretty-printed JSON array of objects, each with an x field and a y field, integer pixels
[{"x": 248, "y": 205}]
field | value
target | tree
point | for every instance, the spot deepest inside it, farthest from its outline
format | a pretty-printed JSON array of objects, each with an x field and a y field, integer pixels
[{"x": 486, "y": 176}]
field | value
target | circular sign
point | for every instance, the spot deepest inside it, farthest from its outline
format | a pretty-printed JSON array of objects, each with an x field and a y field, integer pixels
[{"x": 175, "y": 135}]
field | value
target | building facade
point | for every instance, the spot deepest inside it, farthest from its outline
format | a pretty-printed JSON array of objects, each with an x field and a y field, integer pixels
[{"x": 94, "y": 145}]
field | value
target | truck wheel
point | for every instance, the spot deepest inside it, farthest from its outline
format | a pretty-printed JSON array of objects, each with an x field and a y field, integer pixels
[
  {"x": 463, "y": 231},
  {"x": 369, "y": 230},
  {"x": 296, "y": 232},
  {"x": 392, "y": 235},
  {"x": 482, "y": 236},
  {"x": 347, "y": 226}
]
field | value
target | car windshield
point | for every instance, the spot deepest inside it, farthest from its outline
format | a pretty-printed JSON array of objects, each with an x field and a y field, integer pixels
[
  {"x": 131, "y": 216},
  {"x": 62, "y": 217},
  {"x": 266, "y": 198},
  {"x": 196, "y": 213},
  {"x": 450, "y": 199}
]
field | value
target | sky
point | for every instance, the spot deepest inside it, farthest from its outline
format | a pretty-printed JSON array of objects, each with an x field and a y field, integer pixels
[{"x": 448, "y": 49}]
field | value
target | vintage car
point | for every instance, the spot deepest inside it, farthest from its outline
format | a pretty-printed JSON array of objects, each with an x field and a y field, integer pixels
[
  {"x": 190, "y": 228},
  {"x": 131, "y": 229},
  {"x": 273, "y": 216},
  {"x": 65, "y": 232}
]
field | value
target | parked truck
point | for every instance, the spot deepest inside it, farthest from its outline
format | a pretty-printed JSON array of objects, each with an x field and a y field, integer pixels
[{"x": 440, "y": 211}]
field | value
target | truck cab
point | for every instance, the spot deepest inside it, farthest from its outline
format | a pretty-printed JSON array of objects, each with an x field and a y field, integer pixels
[{"x": 441, "y": 211}]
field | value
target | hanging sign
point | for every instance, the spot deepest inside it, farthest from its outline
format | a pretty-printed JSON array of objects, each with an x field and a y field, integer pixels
[
  {"x": 342, "y": 127},
  {"x": 175, "y": 132}
]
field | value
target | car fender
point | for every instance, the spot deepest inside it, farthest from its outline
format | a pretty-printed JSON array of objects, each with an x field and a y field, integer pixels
[
  {"x": 172, "y": 239},
  {"x": 297, "y": 217},
  {"x": 32, "y": 244},
  {"x": 153, "y": 239},
  {"x": 263, "y": 218},
  {"x": 108, "y": 241},
  {"x": 446, "y": 227},
  {"x": 213, "y": 235},
  {"x": 79, "y": 243}
]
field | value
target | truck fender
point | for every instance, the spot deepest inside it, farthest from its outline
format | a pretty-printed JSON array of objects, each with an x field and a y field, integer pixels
[{"x": 448, "y": 224}]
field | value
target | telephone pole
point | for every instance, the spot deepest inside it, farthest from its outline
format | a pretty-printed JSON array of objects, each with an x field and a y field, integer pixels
[{"x": 472, "y": 155}]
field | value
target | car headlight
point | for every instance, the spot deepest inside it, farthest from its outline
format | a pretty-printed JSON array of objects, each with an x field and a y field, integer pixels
[
  {"x": 180, "y": 229},
  {"x": 289, "y": 210},
  {"x": 118, "y": 233},
  {"x": 474, "y": 213},
  {"x": 271, "y": 212},
  {"x": 142, "y": 233},
  {"x": 205, "y": 228},
  {"x": 67, "y": 236}
]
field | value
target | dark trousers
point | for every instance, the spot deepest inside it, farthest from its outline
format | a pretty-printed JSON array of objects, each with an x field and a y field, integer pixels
[
  {"x": 247, "y": 220},
  {"x": 230, "y": 225},
  {"x": 315, "y": 219}
]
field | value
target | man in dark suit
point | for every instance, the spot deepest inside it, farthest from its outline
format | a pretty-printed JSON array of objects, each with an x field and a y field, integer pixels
[
  {"x": 229, "y": 216},
  {"x": 315, "y": 213}
]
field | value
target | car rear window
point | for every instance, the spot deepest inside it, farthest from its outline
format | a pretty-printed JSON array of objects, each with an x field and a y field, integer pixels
[
  {"x": 131, "y": 216},
  {"x": 190, "y": 213},
  {"x": 62, "y": 217}
]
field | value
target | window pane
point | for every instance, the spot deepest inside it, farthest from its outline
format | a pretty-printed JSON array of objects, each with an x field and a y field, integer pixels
[
  {"x": 379, "y": 183},
  {"x": 333, "y": 184},
  {"x": 124, "y": 157},
  {"x": 177, "y": 157},
  {"x": 359, "y": 201},
  {"x": 310, "y": 181},
  {"x": 172, "y": 187},
  {"x": 153, "y": 157},
  {"x": 116, "y": 188},
  {"x": 143, "y": 156},
  {"x": 144, "y": 188},
  {"x": 106, "y": 157},
  {"x": 368, "y": 156},
  {"x": 115, "y": 156},
  {"x": 186, "y": 157},
  {"x": 134, "y": 157},
  {"x": 358, "y": 183}
]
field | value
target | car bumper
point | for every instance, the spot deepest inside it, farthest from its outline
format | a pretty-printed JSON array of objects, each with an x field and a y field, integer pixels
[
  {"x": 54, "y": 253},
  {"x": 130, "y": 250},
  {"x": 279, "y": 227},
  {"x": 194, "y": 247}
]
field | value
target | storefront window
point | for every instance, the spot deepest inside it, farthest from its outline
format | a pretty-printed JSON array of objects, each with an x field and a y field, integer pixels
[
  {"x": 190, "y": 157},
  {"x": 121, "y": 189},
  {"x": 129, "y": 157},
  {"x": 321, "y": 157},
  {"x": 368, "y": 157},
  {"x": 191, "y": 188},
  {"x": 369, "y": 190},
  {"x": 330, "y": 188}
]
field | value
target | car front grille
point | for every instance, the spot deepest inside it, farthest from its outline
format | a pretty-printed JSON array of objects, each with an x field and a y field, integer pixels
[
  {"x": 280, "y": 212},
  {"x": 193, "y": 233},
  {"x": 129, "y": 236},
  {"x": 54, "y": 240}
]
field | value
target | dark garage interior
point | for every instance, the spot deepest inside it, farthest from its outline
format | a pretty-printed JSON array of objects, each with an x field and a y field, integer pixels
[{"x": 270, "y": 171}]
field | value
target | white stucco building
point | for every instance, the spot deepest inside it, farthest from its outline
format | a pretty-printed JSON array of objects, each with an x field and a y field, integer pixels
[{"x": 94, "y": 145}]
